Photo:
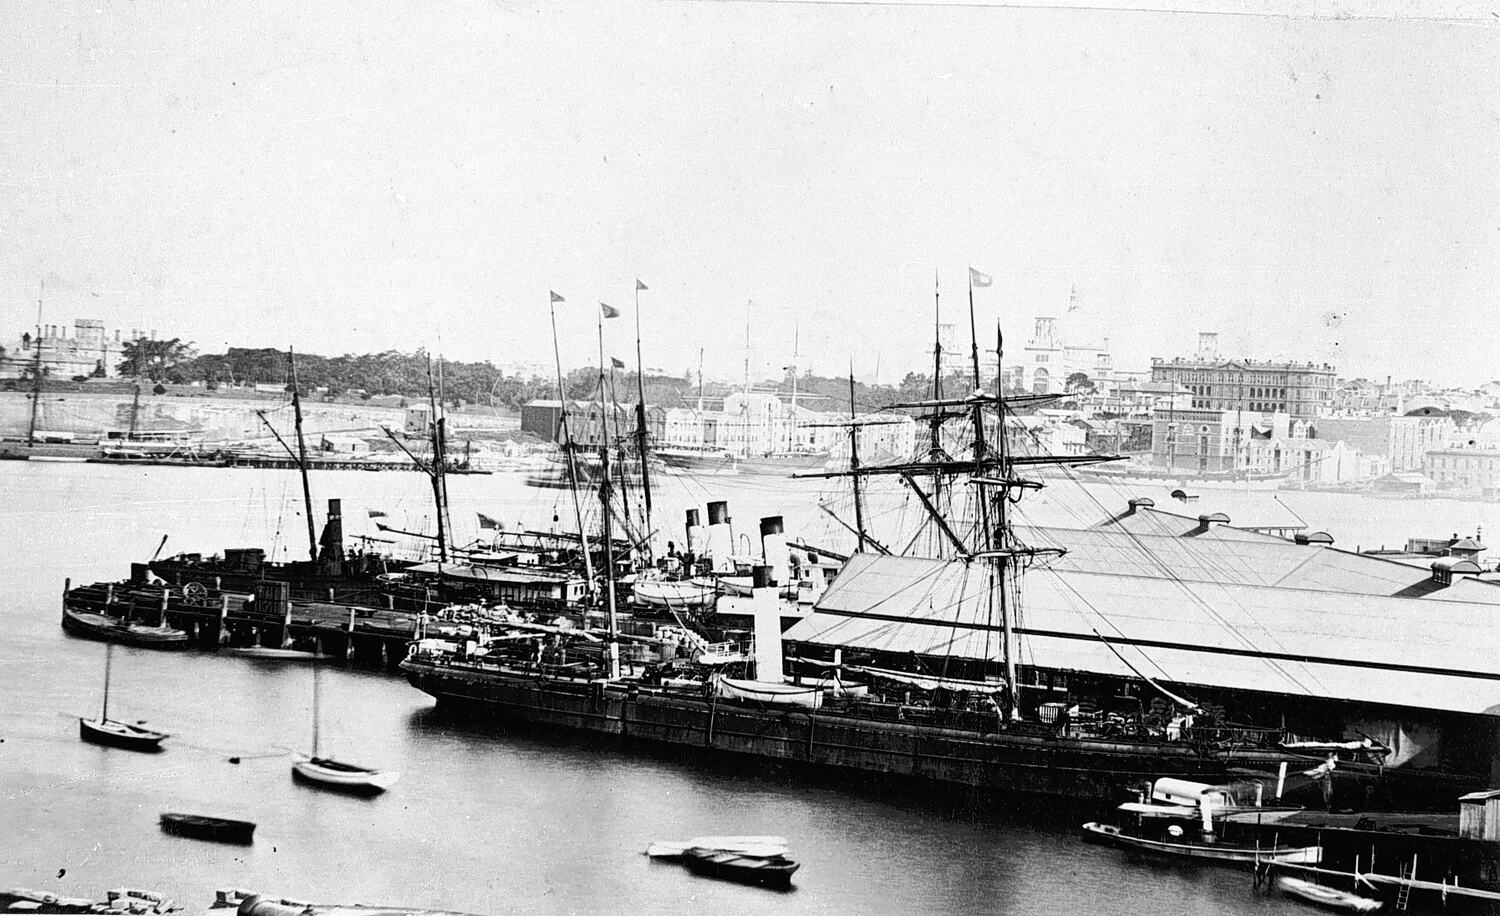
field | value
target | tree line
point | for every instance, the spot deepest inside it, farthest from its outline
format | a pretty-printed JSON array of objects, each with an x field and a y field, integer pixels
[{"x": 173, "y": 361}]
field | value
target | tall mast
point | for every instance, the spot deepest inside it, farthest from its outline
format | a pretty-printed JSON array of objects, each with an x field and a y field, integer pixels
[
  {"x": 567, "y": 444},
  {"x": 439, "y": 467},
  {"x": 859, "y": 510},
  {"x": 979, "y": 444},
  {"x": 109, "y": 654},
  {"x": 640, "y": 415},
  {"x": 791, "y": 444},
  {"x": 312, "y": 537},
  {"x": 316, "y": 716},
  {"x": 135, "y": 404},
  {"x": 1003, "y": 529},
  {"x": 935, "y": 425},
  {"x": 612, "y": 645},
  {"x": 36, "y": 365},
  {"x": 700, "y": 384}
]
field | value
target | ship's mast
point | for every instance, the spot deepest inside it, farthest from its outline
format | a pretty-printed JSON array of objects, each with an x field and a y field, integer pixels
[
  {"x": 612, "y": 642},
  {"x": 640, "y": 417},
  {"x": 859, "y": 510},
  {"x": 36, "y": 365},
  {"x": 439, "y": 464},
  {"x": 935, "y": 424},
  {"x": 567, "y": 444},
  {"x": 312, "y": 537},
  {"x": 791, "y": 445},
  {"x": 1003, "y": 529}
]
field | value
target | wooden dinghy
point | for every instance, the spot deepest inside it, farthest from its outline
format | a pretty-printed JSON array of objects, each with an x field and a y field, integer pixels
[
  {"x": 1327, "y": 897},
  {"x": 761, "y": 846},
  {"x": 766, "y": 871},
  {"x": 206, "y": 827}
]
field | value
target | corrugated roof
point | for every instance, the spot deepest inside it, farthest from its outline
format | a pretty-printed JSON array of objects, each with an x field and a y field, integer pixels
[
  {"x": 1393, "y": 651},
  {"x": 1173, "y": 517},
  {"x": 1259, "y": 560}
]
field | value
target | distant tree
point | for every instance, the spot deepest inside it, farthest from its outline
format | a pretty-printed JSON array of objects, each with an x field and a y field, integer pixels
[
  {"x": 157, "y": 360},
  {"x": 98, "y": 368},
  {"x": 1078, "y": 383}
]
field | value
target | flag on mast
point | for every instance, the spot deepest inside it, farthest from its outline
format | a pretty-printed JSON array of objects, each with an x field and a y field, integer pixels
[
  {"x": 640, "y": 285},
  {"x": 1073, "y": 299},
  {"x": 616, "y": 363},
  {"x": 979, "y": 278},
  {"x": 376, "y": 513},
  {"x": 556, "y": 297},
  {"x": 609, "y": 311},
  {"x": 486, "y": 522}
]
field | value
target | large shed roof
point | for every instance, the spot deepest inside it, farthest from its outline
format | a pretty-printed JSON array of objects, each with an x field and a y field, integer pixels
[
  {"x": 1391, "y": 651},
  {"x": 1258, "y": 560}
]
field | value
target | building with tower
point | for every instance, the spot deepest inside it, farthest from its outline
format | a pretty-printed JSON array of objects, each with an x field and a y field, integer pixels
[{"x": 1049, "y": 360}]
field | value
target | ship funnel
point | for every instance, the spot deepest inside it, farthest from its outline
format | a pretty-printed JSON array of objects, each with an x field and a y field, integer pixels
[
  {"x": 331, "y": 544},
  {"x": 720, "y": 536},
  {"x": 694, "y": 534},
  {"x": 773, "y": 549},
  {"x": 766, "y": 609}
]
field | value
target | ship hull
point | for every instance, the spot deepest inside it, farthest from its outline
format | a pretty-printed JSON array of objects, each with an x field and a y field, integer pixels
[{"x": 1004, "y": 763}]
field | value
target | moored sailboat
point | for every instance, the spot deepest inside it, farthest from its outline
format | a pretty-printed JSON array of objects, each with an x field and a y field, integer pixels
[
  {"x": 113, "y": 733},
  {"x": 327, "y": 772}
]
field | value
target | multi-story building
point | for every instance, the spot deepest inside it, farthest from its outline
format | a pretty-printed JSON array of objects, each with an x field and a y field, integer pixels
[
  {"x": 1404, "y": 441},
  {"x": 86, "y": 351},
  {"x": 1464, "y": 467},
  {"x": 1194, "y": 440},
  {"x": 1471, "y": 464},
  {"x": 1253, "y": 386},
  {"x": 1049, "y": 360}
]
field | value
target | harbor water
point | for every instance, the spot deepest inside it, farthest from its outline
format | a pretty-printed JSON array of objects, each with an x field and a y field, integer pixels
[{"x": 485, "y": 820}]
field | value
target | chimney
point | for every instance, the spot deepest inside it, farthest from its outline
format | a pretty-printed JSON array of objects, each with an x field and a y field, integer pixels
[
  {"x": 694, "y": 534},
  {"x": 767, "y": 616},
  {"x": 331, "y": 544},
  {"x": 1141, "y": 502},
  {"x": 773, "y": 548},
  {"x": 720, "y": 536}
]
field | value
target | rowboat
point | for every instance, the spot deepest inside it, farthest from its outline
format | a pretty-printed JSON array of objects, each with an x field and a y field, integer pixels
[
  {"x": 1327, "y": 897},
  {"x": 113, "y": 629},
  {"x": 767, "y": 871},
  {"x": 761, "y": 846},
  {"x": 327, "y": 773},
  {"x": 680, "y": 594},
  {"x": 1207, "y": 850},
  {"x": 270, "y": 654},
  {"x": 205, "y": 827}
]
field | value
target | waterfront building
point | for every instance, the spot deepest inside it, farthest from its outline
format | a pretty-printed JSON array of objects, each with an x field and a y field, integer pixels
[
  {"x": 1473, "y": 463},
  {"x": 1403, "y": 441},
  {"x": 1258, "y": 386},
  {"x": 86, "y": 351}
]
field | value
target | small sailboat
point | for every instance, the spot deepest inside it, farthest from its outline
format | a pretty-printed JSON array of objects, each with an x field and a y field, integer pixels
[
  {"x": 111, "y": 733},
  {"x": 338, "y": 775}
]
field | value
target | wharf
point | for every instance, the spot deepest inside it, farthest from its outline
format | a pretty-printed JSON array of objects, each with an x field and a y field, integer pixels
[
  {"x": 349, "y": 624},
  {"x": 267, "y": 616}
]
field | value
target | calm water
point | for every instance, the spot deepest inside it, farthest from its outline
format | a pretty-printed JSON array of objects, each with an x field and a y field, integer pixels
[{"x": 482, "y": 821}]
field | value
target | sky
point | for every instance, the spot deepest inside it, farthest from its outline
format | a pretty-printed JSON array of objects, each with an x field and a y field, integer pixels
[{"x": 351, "y": 177}]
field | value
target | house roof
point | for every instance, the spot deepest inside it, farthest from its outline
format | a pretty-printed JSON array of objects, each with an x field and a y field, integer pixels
[{"x": 1384, "y": 650}]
